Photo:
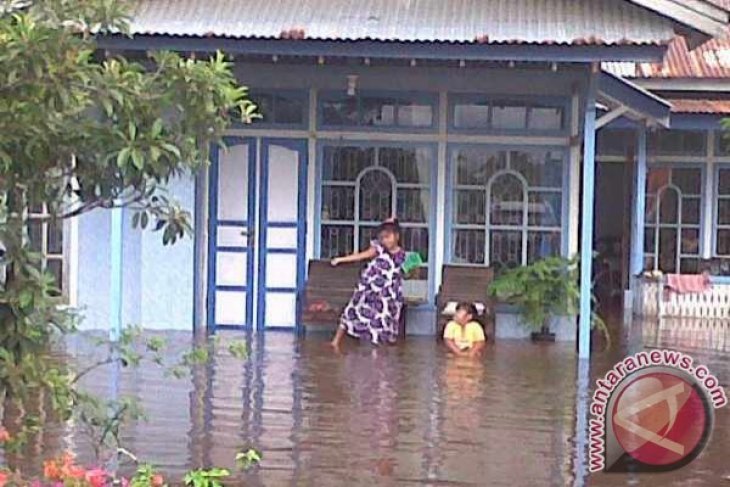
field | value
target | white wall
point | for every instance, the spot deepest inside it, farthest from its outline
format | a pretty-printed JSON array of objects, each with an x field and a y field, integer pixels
[{"x": 157, "y": 280}]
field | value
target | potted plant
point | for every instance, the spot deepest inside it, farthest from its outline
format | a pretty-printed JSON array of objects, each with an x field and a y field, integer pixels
[{"x": 541, "y": 290}]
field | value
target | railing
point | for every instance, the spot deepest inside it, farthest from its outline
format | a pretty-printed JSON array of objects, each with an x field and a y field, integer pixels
[{"x": 651, "y": 300}]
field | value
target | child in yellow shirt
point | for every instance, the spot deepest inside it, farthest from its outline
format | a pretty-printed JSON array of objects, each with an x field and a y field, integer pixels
[{"x": 463, "y": 335}]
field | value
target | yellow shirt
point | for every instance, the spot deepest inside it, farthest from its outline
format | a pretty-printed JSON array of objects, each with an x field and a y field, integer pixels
[{"x": 464, "y": 336}]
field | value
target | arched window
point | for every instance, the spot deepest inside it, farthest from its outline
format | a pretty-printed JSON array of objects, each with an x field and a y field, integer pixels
[
  {"x": 507, "y": 205},
  {"x": 507, "y": 219},
  {"x": 364, "y": 185},
  {"x": 375, "y": 196},
  {"x": 673, "y": 216}
]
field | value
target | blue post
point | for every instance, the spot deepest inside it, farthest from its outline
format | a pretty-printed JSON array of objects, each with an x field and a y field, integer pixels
[
  {"x": 637, "y": 225},
  {"x": 115, "y": 292},
  {"x": 586, "y": 238}
]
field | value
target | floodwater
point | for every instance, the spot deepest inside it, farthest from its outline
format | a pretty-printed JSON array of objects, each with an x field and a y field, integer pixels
[{"x": 407, "y": 415}]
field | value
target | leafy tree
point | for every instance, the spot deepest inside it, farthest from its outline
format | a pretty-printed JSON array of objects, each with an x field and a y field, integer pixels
[{"x": 80, "y": 130}]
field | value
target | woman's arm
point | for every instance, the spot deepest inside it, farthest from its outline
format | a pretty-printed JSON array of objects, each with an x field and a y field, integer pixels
[{"x": 356, "y": 257}]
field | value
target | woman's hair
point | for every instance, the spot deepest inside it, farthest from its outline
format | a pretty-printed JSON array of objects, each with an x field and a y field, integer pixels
[{"x": 390, "y": 225}]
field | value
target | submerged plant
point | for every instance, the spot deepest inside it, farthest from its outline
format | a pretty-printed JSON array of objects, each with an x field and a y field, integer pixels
[
  {"x": 546, "y": 288},
  {"x": 247, "y": 459},
  {"x": 211, "y": 477}
]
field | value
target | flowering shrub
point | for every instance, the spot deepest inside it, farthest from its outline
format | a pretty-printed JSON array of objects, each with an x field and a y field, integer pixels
[{"x": 63, "y": 471}]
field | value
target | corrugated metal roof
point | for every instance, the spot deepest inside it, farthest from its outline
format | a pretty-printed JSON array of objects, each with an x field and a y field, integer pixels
[
  {"x": 701, "y": 106},
  {"x": 459, "y": 21},
  {"x": 710, "y": 60},
  {"x": 721, "y": 3}
]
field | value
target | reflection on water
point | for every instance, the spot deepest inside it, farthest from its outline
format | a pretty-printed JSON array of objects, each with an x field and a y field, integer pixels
[{"x": 407, "y": 415}]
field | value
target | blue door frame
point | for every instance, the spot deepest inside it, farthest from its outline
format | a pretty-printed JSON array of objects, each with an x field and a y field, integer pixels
[
  {"x": 214, "y": 223},
  {"x": 258, "y": 227},
  {"x": 299, "y": 146}
]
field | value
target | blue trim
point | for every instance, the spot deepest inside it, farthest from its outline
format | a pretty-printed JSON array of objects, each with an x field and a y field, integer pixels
[
  {"x": 433, "y": 193},
  {"x": 420, "y": 97},
  {"x": 394, "y": 50},
  {"x": 527, "y": 101},
  {"x": 283, "y": 224},
  {"x": 214, "y": 223},
  {"x": 449, "y": 200},
  {"x": 721, "y": 166},
  {"x": 300, "y": 146},
  {"x": 232, "y": 289},
  {"x": 633, "y": 96},
  {"x": 677, "y": 121},
  {"x": 282, "y": 251},
  {"x": 722, "y": 280},
  {"x": 233, "y": 223},
  {"x": 263, "y": 123},
  {"x": 587, "y": 210},
  {"x": 637, "y": 227},
  {"x": 703, "y": 175},
  {"x": 224, "y": 248},
  {"x": 697, "y": 121},
  {"x": 287, "y": 290}
]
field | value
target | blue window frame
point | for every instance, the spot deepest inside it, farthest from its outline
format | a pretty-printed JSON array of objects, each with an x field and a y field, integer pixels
[
  {"x": 280, "y": 109},
  {"x": 506, "y": 205},
  {"x": 362, "y": 185},
  {"x": 471, "y": 113},
  {"x": 722, "y": 143},
  {"x": 615, "y": 142},
  {"x": 378, "y": 110},
  {"x": 722, "y": 211},
  {"x": 677, "y": 143},
  {"x": 673, "y": 219}
]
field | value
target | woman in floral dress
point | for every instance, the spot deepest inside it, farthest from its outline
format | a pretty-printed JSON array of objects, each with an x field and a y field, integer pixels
[{"x": 373, "y": 312}]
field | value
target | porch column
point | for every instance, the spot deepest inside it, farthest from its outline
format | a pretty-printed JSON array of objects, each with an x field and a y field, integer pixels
[
  {"x": 586, "y": 238},
  {"x": 115, "y": 272},
  {"x": 637, "y": 224}
]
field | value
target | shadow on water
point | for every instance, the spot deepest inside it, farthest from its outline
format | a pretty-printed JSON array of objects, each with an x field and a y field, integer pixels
[{"x": 407, "y": 415}]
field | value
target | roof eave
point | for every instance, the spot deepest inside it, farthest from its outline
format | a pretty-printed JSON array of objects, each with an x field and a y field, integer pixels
[
  {"x": 639, "y": 104},
  {"x": 701, "y": 16},
  {"x": 710, "y": 85},
  {"x": 583, "y": 53}
]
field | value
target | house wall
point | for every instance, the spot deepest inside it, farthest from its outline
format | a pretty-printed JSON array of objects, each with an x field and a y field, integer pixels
[{"x": 159, "y": 282}]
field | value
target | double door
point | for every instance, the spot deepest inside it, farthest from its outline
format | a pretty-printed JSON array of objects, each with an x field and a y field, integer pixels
[{"x": 257, "y": 232}]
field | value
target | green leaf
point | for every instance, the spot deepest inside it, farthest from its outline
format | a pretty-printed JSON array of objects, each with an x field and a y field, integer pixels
[{"x": 123, "y": 157}]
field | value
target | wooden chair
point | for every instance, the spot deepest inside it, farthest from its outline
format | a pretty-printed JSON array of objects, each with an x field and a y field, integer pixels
[
  {"x": 327, "y": 292},
  {"x": 466, "y": 283}
]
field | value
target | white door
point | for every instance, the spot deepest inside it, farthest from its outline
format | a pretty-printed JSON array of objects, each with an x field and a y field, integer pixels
[
  {"x": 257, "y": 233},
  {"x": 282, "y": 223}
]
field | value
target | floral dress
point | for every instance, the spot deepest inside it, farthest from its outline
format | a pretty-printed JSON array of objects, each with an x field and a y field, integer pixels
[{"x": 374, "y": 309}]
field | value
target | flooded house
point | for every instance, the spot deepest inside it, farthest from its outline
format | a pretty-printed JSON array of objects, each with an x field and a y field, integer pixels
[{"x": 498, "y": 131}]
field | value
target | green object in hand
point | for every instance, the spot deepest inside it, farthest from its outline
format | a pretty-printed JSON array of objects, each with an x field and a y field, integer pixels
[{"x": 413, "y": 261}]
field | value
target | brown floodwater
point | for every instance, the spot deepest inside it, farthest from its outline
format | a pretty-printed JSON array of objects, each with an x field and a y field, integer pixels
[{"x": 406, "y": 415}]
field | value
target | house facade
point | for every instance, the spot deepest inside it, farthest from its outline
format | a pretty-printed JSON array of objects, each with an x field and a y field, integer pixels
[{"x": 475, "y": 124}]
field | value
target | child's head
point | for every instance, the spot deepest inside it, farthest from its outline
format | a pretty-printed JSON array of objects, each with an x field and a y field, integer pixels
[
  {"x": 389, "y": 234},
  {"x": 465, "y": 312}
]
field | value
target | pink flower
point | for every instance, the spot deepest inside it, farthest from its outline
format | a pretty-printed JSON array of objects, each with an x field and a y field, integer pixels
[
  {"x": 4, "y": 435},
  {"x": 157, "y": 480},
  {"x": 3, "y": 478},
  {"x": 96, "y": 477}
]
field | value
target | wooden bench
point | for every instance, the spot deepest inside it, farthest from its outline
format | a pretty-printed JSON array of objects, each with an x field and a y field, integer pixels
[
  {"x": 328, "y": 290},
  {"x": 466, "y": 283}
]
